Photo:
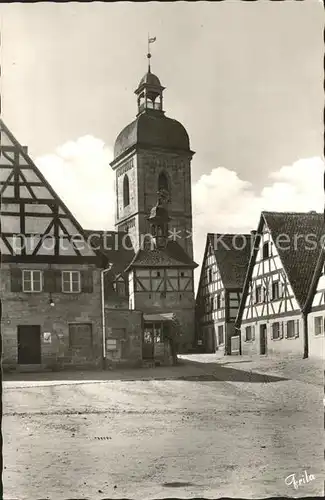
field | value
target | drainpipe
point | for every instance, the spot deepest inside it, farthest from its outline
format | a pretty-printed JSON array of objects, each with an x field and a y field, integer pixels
[
  {"x": 305, "y": 327},
  {"x": 102, "y": 293}
]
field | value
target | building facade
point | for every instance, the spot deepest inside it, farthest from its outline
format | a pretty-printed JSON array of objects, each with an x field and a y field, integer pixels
[
  {"x": 152, "y": 164},
  {"x": 271, "y": 316},
  {"x": 161, "y": 284},
  {"x": 50, "y": 275},
  {"x": 315, "y": 308},
  {"x": 150, "y": 154},
  {"x": 219, "y": 292}
]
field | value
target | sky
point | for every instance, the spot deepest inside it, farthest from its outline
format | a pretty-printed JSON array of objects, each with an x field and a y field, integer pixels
[{"x": 245, "y": 79}]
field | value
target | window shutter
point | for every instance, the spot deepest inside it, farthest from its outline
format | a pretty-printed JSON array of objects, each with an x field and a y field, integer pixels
[
  {"x": 16, "y": 278},
  {"x": 49, "y": 280},
  {"x": 281, "y": 288},
  {"x": 253, "y": 332},
  {"x": 297, "y": 328},
  {"x": 281, "y": 330},
  {"x": 222, "y": 299},
  {"x": 270, "y": 290},
  {"x": 87, "y": 281},
  {"x": 58, "y": 280}
]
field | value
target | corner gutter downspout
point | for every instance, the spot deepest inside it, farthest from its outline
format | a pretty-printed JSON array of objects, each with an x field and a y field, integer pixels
[
  {"x": 305, "y": 327},
  {"x": 102, "y": 293}
]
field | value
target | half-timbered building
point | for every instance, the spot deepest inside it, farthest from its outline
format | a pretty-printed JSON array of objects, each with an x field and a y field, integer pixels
[
  {"x": 219, "y": 292},
  {"x": 50, "y": 274},
  {"x": 271, "y": 315},
  {"x": 315, "y": 308}
]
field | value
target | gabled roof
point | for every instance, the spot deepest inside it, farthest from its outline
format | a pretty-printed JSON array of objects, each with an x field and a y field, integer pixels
[
  {"x": 297, "y": 238},
  {"x": 30, "y": 207},
  {"x": 171, "y": 256},
  {"x": 299, "y": 258},
  {"x": 116, "y": 246},
  {"x": 232, "y": 252},
  {"x": 315, "y": 279}
]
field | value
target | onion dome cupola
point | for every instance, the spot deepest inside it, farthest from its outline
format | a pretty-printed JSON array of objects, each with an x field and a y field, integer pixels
[
  {"x": 151, "y": 127},
  {"x": 150, "y": 93}
]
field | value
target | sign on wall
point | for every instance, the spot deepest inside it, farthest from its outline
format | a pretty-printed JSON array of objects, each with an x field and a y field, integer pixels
[
  {"x": 111, "y": 345},
  {"x": 47, "y": 337}
]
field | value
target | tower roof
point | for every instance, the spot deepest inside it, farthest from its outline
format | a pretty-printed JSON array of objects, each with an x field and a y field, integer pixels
[
  {"x": 155, "y": 130},
  {"x": 150, "y": 79},
  {"x": 151, "y": 128}
]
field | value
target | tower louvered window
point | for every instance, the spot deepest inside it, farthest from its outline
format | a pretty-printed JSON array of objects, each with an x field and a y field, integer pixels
[{"x": 126, "y": 191}]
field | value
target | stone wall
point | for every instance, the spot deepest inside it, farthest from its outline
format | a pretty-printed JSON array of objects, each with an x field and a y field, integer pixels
[
  {"x": 125, "y": 328},
  {"x": 282, "y": 345},
  {"x": 19, "y": 308}
]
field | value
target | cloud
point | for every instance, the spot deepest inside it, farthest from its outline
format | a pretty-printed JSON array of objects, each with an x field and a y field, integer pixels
[
  {"x": 222, "y": 202},
  {"x": 80, "y": 173}
]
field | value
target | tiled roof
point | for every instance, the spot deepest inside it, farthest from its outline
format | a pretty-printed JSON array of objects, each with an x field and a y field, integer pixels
[
  {"x": 300, "y": 247},
  {"x": 171, "y": 256},
  {"x": 316, "y": 276},
  {"x": 152, "y": 129},
  {"x": 232, "y": 252},
  {"x": 116, "y": 246}
]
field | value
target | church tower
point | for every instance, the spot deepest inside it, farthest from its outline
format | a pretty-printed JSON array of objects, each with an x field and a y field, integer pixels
[{"x": 152, "y": 154}]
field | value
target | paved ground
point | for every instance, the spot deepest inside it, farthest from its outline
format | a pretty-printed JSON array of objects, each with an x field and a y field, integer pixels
[{"x": 208, "y": 427}]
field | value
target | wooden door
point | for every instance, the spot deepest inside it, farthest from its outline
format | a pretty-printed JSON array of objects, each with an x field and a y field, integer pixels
[
  {"x": 263, "y": 339},
  {"x": 29, "y": 345}
]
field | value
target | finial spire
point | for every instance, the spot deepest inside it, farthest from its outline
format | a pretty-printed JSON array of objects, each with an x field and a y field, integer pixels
[{"x": 150, "y": 40}]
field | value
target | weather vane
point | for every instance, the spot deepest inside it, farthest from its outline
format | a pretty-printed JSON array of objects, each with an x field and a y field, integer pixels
[{"x": 150, "y": 40}]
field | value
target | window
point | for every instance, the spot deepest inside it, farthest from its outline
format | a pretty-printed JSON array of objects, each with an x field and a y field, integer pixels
[
  {"x": 319, "y": 325},
  {"x": 159, "y": 336},
  {"x": 182, "y": 274},
  {"x": 210, "y": 275},
  {"x": 211, "y": 304},
  {"x": 276, "y": 330},
  {"x": 218, "y": 300},
  {"x": 275, "y": 290},
  {"x": 266, "y": 250},
  {"x": 290, "y": 329},
  {"x": 258, "y": 294},
  {"x": 80, "y": 336},
  {"x": 126, "y": 191},
  {"x": 248, "y": 333},
  {"x": 120, "y": 288},
  {"x": 70, "y": 281},
  {"x": 158, "y": 274},
  {"x": 32, "y": 281},
  {"x": 163, "y": 184},
  {"x": 220, "y": 335}
]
